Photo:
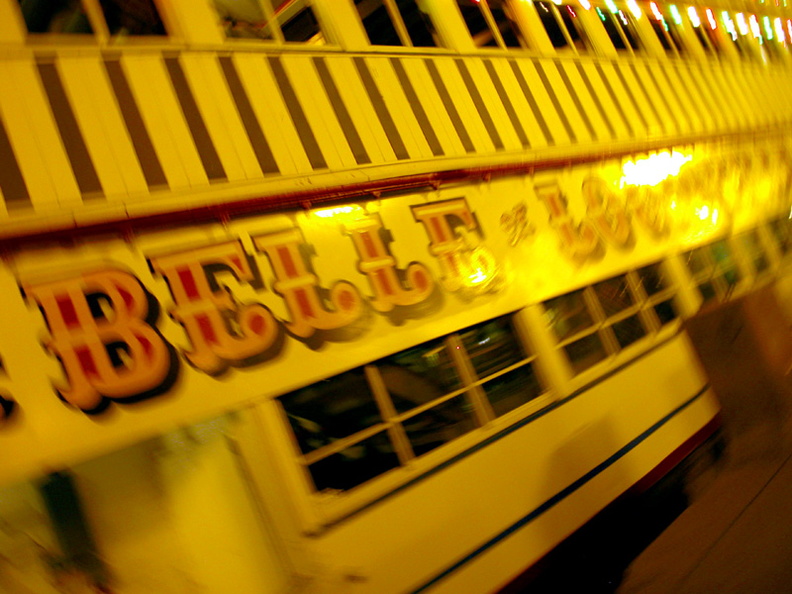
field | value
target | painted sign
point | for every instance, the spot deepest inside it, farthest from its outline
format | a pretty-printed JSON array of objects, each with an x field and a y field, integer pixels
[{"x": 263, "y": 305}]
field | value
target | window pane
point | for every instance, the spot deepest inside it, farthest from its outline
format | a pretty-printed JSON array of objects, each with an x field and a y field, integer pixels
[
  {"x": 508, "y": 28},
  {"x": 492, "y": 346},
  {"x": 666, "y": 312},
  {"x": 418, "y": 24},
  {"x": 331, "y": 409},
  {"x": 721, "y": 254},
  {"x": 568, "y": 314},
  {"x": 554, "y": 31},
  {"x": 780, "y": 229},
  {"x": 138, "y": 17},
  {"x": 614, "y": 295},
  {"x": 356, "y": 464},
  {"x": 708, "y": 291},
  {"x": 697, "y": 261},
  {"x": 662, "y": 34},
  {"x": 753, "y": 247},
  {"x": 513, "y": 389},
  {"x": 781, "y": 232},
  {"x": 585, "y": 352},
  {"x": 66, "y": 16},
  {"x": 440, "y": 424},
  {"x": 629, "y": 330},
  {"x": 732, "y": 277},
  {"x": 653, "y": 279},
  {"x": 476, "y": 23},
  {"x": 573, "y": 26},
  {"x": 419, "y": 375},
  {"x": 612, "y": 29},
  {"x": 627, "y": 22},
  {"x": 377, "y": 22},
  {"x": 243, "y": 19},
  {"x": 298, "y": 23}
]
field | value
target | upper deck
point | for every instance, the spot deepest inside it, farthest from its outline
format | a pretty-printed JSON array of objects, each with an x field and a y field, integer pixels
[{"x": 113, "y": 125}]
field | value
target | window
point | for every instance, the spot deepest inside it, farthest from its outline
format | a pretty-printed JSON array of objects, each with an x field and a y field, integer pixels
[
  {"x": 751, "y": 245},
  {"x": 667, "y": 28},
  {"x": 598, "y": 321},
  {"x": 396, "y": 22},
  {"x": 490, "y": 23},
  {"x": 620, "y": 27},
  {"x": 105, "y": 17},
  {"x": 360, "y": 424},
  {"x": 781, "y": 230},
  {"x": 290, "y": 21},
  {"x": 714, "y": 270},
  {"x": 562, "y": 26}
]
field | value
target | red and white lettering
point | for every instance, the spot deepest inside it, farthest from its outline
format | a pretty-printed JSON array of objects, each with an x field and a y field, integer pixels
[
  {"x": 578, "y": 242},
  {"x": 380, "y": 268},
  {"x": 300, "y": 288},
  {"x": 222, "y": 332},
  {"x": 110, "y": 350},
  {"x": 607, "y": 213},
  {"x": 446, "y": 223}
]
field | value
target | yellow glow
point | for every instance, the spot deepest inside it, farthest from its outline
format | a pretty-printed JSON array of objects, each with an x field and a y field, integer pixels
[
  {"x": 694, "y": 17},
  {"x": 329, "y": 213},
  {"x": 653, "y": 169},
  {"x": 703, "y": 212},
  {"x": 634, "y": 8},
  {"x": 481, "y": 269}
]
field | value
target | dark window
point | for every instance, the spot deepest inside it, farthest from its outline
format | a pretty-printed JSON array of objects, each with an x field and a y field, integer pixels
[
  {"x": 331, "y": 409},
  {"x": 419, "y": 375},
  {"x": 357, "y": 425},
  {"x": 568, "y": 314},
  {"x": 70, "y": 16}
]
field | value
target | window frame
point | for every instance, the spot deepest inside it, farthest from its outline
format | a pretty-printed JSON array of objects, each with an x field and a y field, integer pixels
[
  {"x": 714, "y": 274},
  {"x": 393, "y": 423},
  {"x": 402, "y": 31},
  {"x": 100, "y": 33},
  {"x": 582, "y": 33},
  {"x": 278, "y": 38},
  {"x": 495, "y": 30},
  {"x": 642, "y": 307}
]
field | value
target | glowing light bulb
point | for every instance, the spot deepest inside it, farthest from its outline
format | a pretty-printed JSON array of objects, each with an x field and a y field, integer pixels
[
  {"x": 611, "y": 6},
  {"x": 711, "y": 18},
  {"x": 677, "y": 18},
  {"x": 653, "y": 169},
  {"x": 694, "y": 17},
  {"x": 755, "y": 29},
  {"x": 768, "y": 27},
  {"x": 634, "y": 8},
  {"x": 655, "y": 11},
  {"x": 729, "y": 23},
  {"x": 779, "y": 30},
  {"x": 585, "y": 4},
  {"x": 742, "y": 24},
  {"x": 703, "y": 212}
]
